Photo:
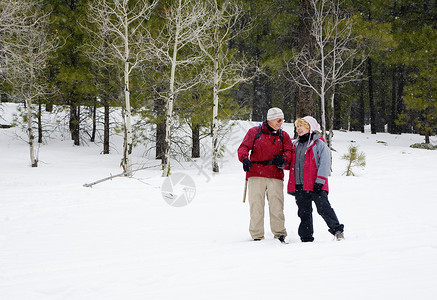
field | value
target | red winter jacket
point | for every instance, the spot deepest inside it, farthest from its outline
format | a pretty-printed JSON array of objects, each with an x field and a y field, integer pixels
[
  {"x": 316, "y": 169},
  {"x": 263, "y": 149}
]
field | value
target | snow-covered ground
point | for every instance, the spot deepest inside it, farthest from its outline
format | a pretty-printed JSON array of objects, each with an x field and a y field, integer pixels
[{"x": 121, "y": 240}]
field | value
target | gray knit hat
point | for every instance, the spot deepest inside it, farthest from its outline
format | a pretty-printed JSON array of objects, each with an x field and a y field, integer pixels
[{"x": 274, "y": 113}]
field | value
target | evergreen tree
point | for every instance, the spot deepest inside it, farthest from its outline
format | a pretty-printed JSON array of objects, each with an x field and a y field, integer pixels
[
  {"x": 421, "y": 91},
  {"x": 374, "y": 26},
  {"x": 414, "y": 27},
  {"x": 70, "y": 69},
  {"x": 354, "y": 159},
  {"x": 270, "y": 44}
]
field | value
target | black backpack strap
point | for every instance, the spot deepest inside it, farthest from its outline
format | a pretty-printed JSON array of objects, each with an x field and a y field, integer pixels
[
  {"x": 281, "y": 137},
  {"x": 260, "y": 132}
]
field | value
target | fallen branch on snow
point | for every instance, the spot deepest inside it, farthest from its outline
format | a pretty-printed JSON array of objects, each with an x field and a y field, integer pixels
[{"x": 113, "y": 176}]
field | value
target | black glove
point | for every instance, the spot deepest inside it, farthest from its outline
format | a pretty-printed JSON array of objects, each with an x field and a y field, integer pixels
[
  {"x": 247, "y": 164},
  {"x": 317, "y": 187},
  {"x": 279, "y": 161}
]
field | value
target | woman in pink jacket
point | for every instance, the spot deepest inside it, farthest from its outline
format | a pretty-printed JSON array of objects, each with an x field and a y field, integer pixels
[{"x": 308, "y": 180}]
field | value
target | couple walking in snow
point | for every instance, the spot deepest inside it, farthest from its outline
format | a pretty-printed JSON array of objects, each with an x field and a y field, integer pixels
[{"x": 265, "y": 152}]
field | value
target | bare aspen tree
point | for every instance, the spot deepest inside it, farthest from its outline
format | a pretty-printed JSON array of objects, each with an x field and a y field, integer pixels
[
  {"x": 175, "y": 46},
  {"x": 225, "y": 69},
  {"x": 27, "y": 47},
  {"x": 121, "y": 22},
  {"x": 14, "y": 16},
  {"x": 332, "y": 63}
]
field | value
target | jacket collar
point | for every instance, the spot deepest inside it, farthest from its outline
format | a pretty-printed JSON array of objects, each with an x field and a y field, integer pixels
[{"x": 314, "y": 137}]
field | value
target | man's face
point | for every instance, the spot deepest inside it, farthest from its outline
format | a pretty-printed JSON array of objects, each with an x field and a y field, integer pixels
[
  {"x": 276, "y": 123},
  {"x": 302, "y": 129}
]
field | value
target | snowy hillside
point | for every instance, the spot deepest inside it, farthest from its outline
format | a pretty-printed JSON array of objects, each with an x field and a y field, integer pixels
[{"x": 121, "y": 240}]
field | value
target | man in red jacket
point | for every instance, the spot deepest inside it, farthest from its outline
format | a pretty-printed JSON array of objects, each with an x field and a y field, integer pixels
[{"x": 264, "y": 152}]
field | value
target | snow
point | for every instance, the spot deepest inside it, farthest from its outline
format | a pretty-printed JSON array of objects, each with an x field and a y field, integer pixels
[{"x": 121, "y": 240}]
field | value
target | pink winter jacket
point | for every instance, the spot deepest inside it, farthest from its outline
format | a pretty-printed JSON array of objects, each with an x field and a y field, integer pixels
[{"x": 316, "y": 169}]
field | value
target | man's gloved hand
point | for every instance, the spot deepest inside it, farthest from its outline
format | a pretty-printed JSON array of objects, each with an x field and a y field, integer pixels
[
  {"x": 317, "y": 187},
  {"x": 279, "y": 161},
  {"x": 247, "y": 164}
]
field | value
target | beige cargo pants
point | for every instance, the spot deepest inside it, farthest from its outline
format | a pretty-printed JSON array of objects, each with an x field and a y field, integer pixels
[{"x": 258, "y": 188}]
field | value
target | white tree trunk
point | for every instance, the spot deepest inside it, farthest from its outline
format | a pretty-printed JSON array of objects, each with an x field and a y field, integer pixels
[
  {"x": 33, "y": 160},
  {"x": 321, "y": 40},
  {"x": 31, "y": 136},
  {"x": 333, "y": 80},
  {"x": 331, "y": 125},
  {"x": 323, "y": 91},
  {"x": 215, "y": 144},
  {"x": 170, "y": 100},
  {"x": 168, "y": 116},
  {"x": 168, "y": 119},
  {"x": 128, "y": 150}
]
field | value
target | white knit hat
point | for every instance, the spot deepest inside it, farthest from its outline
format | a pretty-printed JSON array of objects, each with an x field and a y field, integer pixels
[
  {"x": 313, "y": 123},
  {"x": 274, "y": 113}
]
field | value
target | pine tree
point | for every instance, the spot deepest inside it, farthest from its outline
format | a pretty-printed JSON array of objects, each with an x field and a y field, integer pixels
[
  {"x": 354, "y": 159},
  {"x": 421, "y": 92},
  {"x": 271, "y": 41},
  {"x": 70, "y": 69}
]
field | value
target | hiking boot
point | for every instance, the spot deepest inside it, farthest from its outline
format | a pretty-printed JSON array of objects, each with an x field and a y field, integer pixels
[
  {"x": 307, "y": 239},
  {"x": 339, "y": 236},
  {"x": 281, "y": 238}
]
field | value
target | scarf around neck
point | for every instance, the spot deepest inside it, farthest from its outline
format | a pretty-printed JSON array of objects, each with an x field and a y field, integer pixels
[{"x": 304, "y": 138}]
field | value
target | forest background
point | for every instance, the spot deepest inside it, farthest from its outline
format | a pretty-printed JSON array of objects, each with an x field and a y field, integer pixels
[{"x": 171, "y": 65}]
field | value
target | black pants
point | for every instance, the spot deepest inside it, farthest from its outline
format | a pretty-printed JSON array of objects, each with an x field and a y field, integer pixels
[{"x": 304, "y": 201}]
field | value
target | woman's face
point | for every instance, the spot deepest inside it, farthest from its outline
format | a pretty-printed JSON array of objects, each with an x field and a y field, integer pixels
[{"x": 302, "y": 129}]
